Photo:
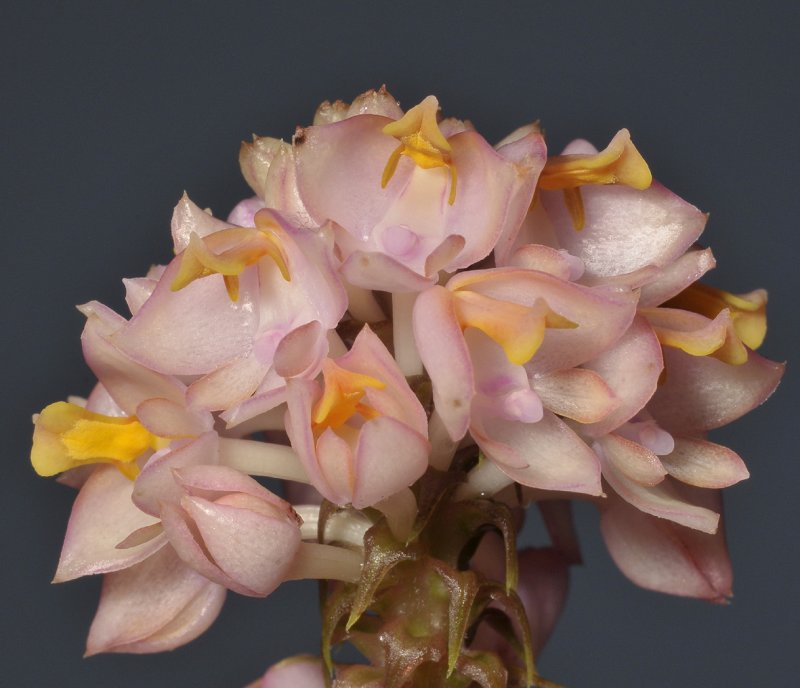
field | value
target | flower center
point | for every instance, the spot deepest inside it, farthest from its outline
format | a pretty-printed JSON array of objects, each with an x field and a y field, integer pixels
[
  {"x": 422, "y": 141},
  {"x": 341, "y": 398},
  {"x": 229, "y": 251}
]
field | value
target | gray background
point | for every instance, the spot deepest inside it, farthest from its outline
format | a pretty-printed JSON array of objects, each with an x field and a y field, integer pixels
[{"x": 110, "y": 110}]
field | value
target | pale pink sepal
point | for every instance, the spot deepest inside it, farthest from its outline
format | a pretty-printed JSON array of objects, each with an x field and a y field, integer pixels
[
  {"x": 632, "y": 460},
  {"x": 103, "y": 515},
  {"x": 625, "y": 229},
  {"x": 576, "y": 393},
  {"x": 195, "y": 330},
  {"x": 127, "y": 381},
  {"x": 637, "y": 350},
  {"x": 231, "y": 529},
  {"x": 700, "y": 393},
  {"x": 663, "y": 500},
  {"x": 293, "y": 672},
  {"x": 244, "y": 212},
  {"x": 188, "y": 218},
  {"x": 547, "y": 454},
  {"x": 157, "y": 605},
  {"x": 444, "y": 352},
  {"x": 704, "y": 464},
  {"x": 137, "y": 291},
  {"x": 676, "y": 276},
  {"x": 166, "y": 418},
  {"x": 156, "y": 484},
  {"x": 660, "y": 555},
  {"x": 249, "y": 539},
  {"x": 558, "y": 263},
  {"x": 390, "y": 455}
]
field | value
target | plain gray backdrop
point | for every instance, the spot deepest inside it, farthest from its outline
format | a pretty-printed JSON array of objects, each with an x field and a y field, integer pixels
[{"x": 110, "y": 110}]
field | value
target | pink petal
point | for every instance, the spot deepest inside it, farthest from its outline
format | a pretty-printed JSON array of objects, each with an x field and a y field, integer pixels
[
  {"x": 244, "y": 212},
  {"x": 369, "y": 356},
  {"x": 254, "y": 549},
  {"x": 676, "y": 276},
  {"x": 194, "y": 330},
  {"x": 128, "y": 382},
  {"x": 186, "y": 546},
  {"x": 626, "y": 229},
  {"x": 156, "y": 484},
  {"x": 137, "y": 291},
  {"x": 576, "y": 393},
  {"x": 704, "y": 464},
  {"x": 662, "y": 556},
  {"x": 701, "y": 393},
  {"x": 547, "y": 454},
  {"x": 546, "y": 259},
  {"x": 662, "y": 500},
  {"x": 103, "y": 515},
  {"x": 336, "y": 463},
  {"x": 154, "y": 606},
  {"x": 212, "y": 482},
  {"x": 187, "y": 218},
  {"x": 444, "y": 352},
  {"x": 632, "y": 460},
  {"x": 339, "y": 170},
  {"x": 229, "y": 384},
  {"x": 301, "y": 350},
  {"x": 268, "y": 166},
  {"x": 166, "y": 418},
  {"x": 631, "y": 368},
  {"x": 389, "y": 457}
]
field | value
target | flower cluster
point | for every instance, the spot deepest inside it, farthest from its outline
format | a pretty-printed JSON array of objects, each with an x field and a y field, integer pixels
[{"x": 422, "y": 334}]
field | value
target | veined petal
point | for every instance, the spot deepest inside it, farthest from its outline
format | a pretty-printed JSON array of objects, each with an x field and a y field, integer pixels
[
  {"x": 625, "y": 229},
  {"x": 576, "y": 393},
  {"x": 638, "y": 350},
  {"x": 547, "y": 454},
  {"x": 701, "y": 393},
  {"x": 442, "y": 349},
  {"x": 676, "y": 276},
  {"x": 704, "y": 464},
  {"x": 103, "y": 516},
  {"x": 389, "y": 457},
  {"x": 662, "y": 500},
  {"x": 188, "y": 219},
  {"x": 192, "y": 331},
  {"x": 632, "y": 460},
  {"x": 294, "y": 672},
  {"x": 663, "y": 556},
  {"x": 157, "y": 605}
]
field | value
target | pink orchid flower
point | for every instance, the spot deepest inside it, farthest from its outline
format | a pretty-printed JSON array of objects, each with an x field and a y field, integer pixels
[
  {"x": 239, "y": 351},
  {"x": 362, "y": 434},
  {"x": 501, "y": 348},
  {"x": 409, "y": 196}
]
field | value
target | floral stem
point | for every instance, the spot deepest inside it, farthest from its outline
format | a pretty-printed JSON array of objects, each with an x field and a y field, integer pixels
[
  {"x": 485, "y": 480},
  {"x": 443, "y": 448},
  {"x": 400, "y": 510},
  {"x": 405, "y": 348},
  {"x": 262, "y": 458},
  {"x": 362, "y": 304},
  {"x": 314, "y": 560},
  {"x": 344, "y": 527}
]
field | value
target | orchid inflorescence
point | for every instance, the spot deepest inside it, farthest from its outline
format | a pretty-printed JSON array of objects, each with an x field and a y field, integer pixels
[{"x": 422, "y": 335}]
